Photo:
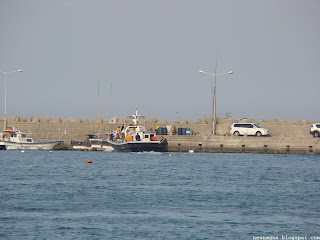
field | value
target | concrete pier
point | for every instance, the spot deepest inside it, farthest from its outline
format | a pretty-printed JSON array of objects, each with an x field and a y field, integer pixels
[
  {"x": 286, "y": 136},
  {"x": 232, "y": 144}
]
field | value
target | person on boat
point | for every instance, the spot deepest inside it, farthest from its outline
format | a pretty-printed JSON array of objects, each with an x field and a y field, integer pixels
[
  {"x": 118, "y": 130},
  {"x": 122, "y": 127},
  {"x": 157, "y": 129},
  {"x": 153, "y": 138},
  {"x": 122, "y": 136},
  {"x": 128, "y": 138},
  {"x": 138, "y": 137},
  {"x": 114, "y": 136}
]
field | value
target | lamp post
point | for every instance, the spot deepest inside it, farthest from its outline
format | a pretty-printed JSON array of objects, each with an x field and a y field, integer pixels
[
  {"x": 5, "y": 96},
  {"x": 214, "y": 102}
]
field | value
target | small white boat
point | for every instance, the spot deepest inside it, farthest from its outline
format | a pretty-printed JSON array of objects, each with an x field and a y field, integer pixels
[
  {"x": 92, "y": 143},
  {"x": 13, "y": 139}
]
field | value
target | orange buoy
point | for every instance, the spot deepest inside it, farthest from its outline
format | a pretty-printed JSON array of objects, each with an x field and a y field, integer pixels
[{"x": 89, "y": 161}]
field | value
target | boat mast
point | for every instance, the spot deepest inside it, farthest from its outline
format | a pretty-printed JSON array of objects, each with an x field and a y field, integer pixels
[
  {"x": 98, "y": 102},
  {"x": 135, "y": 118},
  {"x": 108, "y": 101}
]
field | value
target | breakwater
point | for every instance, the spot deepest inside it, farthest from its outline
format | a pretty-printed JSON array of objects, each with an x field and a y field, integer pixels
[{"x": 286, "y": 136}]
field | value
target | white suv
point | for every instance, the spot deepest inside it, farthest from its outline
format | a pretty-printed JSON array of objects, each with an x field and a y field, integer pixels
[
  {"x": 315, "y": 129},
  {"x": 239, "y": 129}
]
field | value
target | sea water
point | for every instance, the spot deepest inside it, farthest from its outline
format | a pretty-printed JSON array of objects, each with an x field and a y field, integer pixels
[{"x": 58, "y": 195}]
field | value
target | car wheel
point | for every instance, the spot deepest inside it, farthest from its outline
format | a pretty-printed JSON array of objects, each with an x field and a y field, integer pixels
[
  {"x": 258, "y": 134},
  {"x": 236, "y": 133},
  {"x": 316, "y": 134}
]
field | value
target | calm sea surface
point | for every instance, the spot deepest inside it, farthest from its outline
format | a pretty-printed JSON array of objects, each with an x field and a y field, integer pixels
[{"x": 58, "y": 195}]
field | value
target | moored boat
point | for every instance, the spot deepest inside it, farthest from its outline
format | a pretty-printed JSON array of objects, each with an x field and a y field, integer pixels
[
  {"x": 135, "y": 138},
  {"x": 14, "y": 139},
  {"x": 92, "y": 143},
  {"x": 138, "y": 146}
]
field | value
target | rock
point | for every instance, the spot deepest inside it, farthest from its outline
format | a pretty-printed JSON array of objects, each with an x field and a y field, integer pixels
[
  {"x": 10, "y": 119},
  {"x": 303, "y": 122},
  {"x": 184, "y": 121},
  {"x": 282, "y": 121},
  {"x": 32, "y": 117},
  {"x": 152, "y": 120},
  {"x": 75, "y": 120},
  {"x": 122, "y": 120},
  {"x": 200, "y": 121},
  {"x": 45, "y": 119},
  {"x": 35, "y": 119},
  {"x": 66, "y": 120},
  {"x": 208, "y": 120},
  {"x": 163, "y": 122},
  {"x": 274, "y": 121},
  {"x": 57, "y": 119},
  {"x": 23, "y": 119},
  {"x": 97, "y": 120},
  {"x": 16, "y": 118}
]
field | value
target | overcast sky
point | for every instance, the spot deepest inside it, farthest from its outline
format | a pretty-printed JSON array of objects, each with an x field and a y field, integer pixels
[{"x": 150, "y": 53}]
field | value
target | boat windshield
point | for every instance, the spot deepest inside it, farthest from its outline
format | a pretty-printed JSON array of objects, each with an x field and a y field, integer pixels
[
  {"x": 23, "y": 135},
  {"x": 257, "y": 125},
  {"x": 141, "y": 129}
]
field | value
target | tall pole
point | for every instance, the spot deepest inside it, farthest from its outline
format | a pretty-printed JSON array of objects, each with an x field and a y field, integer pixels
[
  {"x": 98, "y": 102},
  {"x": 214, "y": 102},
  {"x": 5, "y": 96},
  {"x": 5, "y": 102},
  {"x": 214, "y": 113}
]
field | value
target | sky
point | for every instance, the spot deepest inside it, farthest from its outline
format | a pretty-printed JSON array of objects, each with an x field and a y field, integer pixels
[{"x": 146, "y": 55}]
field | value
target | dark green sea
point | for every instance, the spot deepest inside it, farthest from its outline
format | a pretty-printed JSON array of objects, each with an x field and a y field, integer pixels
[{"x": 58, "y": 195}]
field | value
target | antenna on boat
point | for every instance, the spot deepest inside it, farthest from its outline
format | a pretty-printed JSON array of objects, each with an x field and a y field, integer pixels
[
  {"x": 135, "y": 117},
  {"x": 108, "y": 100},
  {"x": 98, "y": 102}
]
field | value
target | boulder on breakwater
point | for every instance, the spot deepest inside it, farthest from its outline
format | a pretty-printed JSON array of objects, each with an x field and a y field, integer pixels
[
  {"x": 152, "y": 120},
  {"x": 57, "y": 119},
  {"x": 45, "y": 119},
  {"x": 184, "y": 121},
  {"x": 97, "y": 120},
  {"x": 162, "y": 122}
]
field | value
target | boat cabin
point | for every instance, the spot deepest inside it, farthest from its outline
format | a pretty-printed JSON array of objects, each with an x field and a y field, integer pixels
[{"x": 15, "y": 135}]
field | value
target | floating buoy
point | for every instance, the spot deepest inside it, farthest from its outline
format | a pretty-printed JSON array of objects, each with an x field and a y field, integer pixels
[
  {"x": 191, "y": 151},
  {"x": 22, "y": 151},
  {"x": 89, "y": 161},
  {"x": 169, "y": 154}
]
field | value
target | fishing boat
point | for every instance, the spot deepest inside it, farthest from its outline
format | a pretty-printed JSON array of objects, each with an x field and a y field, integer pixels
[
  {"x": 91, "y": 143},
  {"x": 135, "y": 138},
  {"x": 14, "y": 139}
]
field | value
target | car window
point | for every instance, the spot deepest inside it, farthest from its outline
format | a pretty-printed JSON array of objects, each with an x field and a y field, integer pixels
[
  {"x": 318, "y": 125},
  {"x": 257, "y": 125}
]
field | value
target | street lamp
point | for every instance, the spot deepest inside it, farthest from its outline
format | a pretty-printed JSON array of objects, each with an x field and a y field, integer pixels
[
  {"x": 214, "y": 113},
  {"x": 5, "y": 96}
]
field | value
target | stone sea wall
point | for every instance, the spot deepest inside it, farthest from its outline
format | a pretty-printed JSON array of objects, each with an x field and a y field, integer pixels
[{"x": 286, "y": 136}]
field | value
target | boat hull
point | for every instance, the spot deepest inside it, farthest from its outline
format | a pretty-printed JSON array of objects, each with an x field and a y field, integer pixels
[
  {"x": 156, "y": 146},
  {"x": 31, "y": 146}
]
